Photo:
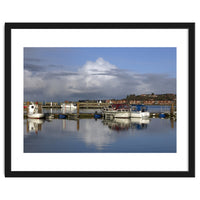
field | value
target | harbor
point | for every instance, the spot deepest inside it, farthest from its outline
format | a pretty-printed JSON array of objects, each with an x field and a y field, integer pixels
[
  {"x": 100, "y": 126},
  {"x": 99, "y": 100},
  {"x": 71, "y": 129},
  {"x": 93, "y": 110}
]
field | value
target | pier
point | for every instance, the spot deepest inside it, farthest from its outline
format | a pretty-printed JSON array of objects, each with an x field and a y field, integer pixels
[
  {"x": 81, "y": 105},
  {"x": 91, "y": 115},
  {"x": 92, "y": 105},
  {"x": 95, "y": 106},
  {"x": 48, "y": 106}
]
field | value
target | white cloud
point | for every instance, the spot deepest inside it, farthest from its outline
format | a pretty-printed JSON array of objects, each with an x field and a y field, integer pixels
[
  {"x": 100, "y": 138},
  {"x": 32, "y": 82},
  {"x": 94, "y": 80},
  {"x": 98, "y": 67}
]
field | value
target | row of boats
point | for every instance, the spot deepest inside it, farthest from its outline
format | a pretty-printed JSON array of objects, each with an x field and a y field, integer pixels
[
  {"x": 33, "y": 112},
  {"x": 126, "y": 111},
  {"x": 113, "y": 110}
]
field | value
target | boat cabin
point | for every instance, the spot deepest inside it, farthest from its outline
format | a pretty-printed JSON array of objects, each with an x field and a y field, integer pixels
[
  {"x": 33, "y": 108},
  {"x": 138, "y": 108},
  {"x": 120, "y": 107}
]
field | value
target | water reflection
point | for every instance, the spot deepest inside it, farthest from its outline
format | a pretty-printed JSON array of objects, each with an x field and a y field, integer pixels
[
  {"x": 95, "y": 135},
  {"x": 102, "y": 135},
  {"x": 70, "y": 125},
  {"x": 118, "y": 124},
  {"x": 139, "y": 123},
  {"x": 172, "y": 122},
  {"x": 34, "y": 125},
  {"x": 68, "y": 110}
]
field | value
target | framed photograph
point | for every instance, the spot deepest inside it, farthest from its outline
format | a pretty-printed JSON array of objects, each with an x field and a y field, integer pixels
[{"x": 99, "y": 100}]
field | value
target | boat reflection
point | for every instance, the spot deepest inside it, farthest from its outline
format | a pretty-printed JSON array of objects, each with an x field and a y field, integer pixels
[
  {"x": 139, "y": 123},
  {"x": 117, "y": 124},
  {"x": 65, "y": 110},
  {"x": 70, "y": 125},
  {"x": 121, "y": 124},
  {"x": 34, "y": 125}
]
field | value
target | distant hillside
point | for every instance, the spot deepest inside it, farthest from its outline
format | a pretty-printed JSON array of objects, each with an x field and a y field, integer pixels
[{"x": 151, "y": 97}]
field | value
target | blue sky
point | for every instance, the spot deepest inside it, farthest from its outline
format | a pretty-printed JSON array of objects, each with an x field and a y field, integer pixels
[{"x": 60, "y": 74}]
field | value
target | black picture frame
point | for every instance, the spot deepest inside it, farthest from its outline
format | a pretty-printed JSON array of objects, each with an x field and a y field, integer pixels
[{"x": 191, "y": 99}]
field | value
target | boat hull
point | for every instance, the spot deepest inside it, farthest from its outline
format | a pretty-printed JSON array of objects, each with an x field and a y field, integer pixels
[
  {"x": 140, "y": 114},
  {"x": 36, "y": 116},
  {"x": 122, "y": 115},
  {"x": 118, "y": 114}
]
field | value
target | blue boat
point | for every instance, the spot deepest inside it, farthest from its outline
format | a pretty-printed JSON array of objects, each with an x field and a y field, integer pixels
[
  {"x": 62, "y": 116},
  {"x": 139, "y": 111},
  {"x": 162, "y": 115},
  {"x": 97, "y": 116}
]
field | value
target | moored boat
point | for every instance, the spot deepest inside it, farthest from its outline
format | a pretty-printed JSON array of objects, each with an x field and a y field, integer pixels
[
  {"x": 69, "y": 106},
  {"x": 139, "y": 111},
  {"x": 33, "y": 112},
  {"x": 161, "y": 115},
  {"x": 60, "y": 116},
  {"x": 118, "y": 111},
  {"x": 97, "y": 115}
]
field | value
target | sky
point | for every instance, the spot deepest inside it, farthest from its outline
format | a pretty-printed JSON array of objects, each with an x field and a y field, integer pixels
[{"x": 72, "y": 73}]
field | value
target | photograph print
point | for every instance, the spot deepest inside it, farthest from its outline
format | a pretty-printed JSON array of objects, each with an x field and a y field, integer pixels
[{"x": 99, "y": 100}]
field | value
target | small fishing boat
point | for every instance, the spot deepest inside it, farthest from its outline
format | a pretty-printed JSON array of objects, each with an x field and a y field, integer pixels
[
  {"x": 139, "y": 111},
  {"x": 33, "y": 112},
  {"x": 118, "y": 111}
]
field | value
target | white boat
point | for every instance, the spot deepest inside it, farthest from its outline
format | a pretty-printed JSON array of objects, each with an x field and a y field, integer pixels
[
  {"x": 139, "y": 111},
  {"x": 69, "y": 106},
  {"x": 122, "y": 114},
  {"x": 33, "y": 112},
  {"x": 117, "y": 111}
]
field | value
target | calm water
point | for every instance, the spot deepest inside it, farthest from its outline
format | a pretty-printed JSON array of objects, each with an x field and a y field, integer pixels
[{"x": 90, "y": 135}]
